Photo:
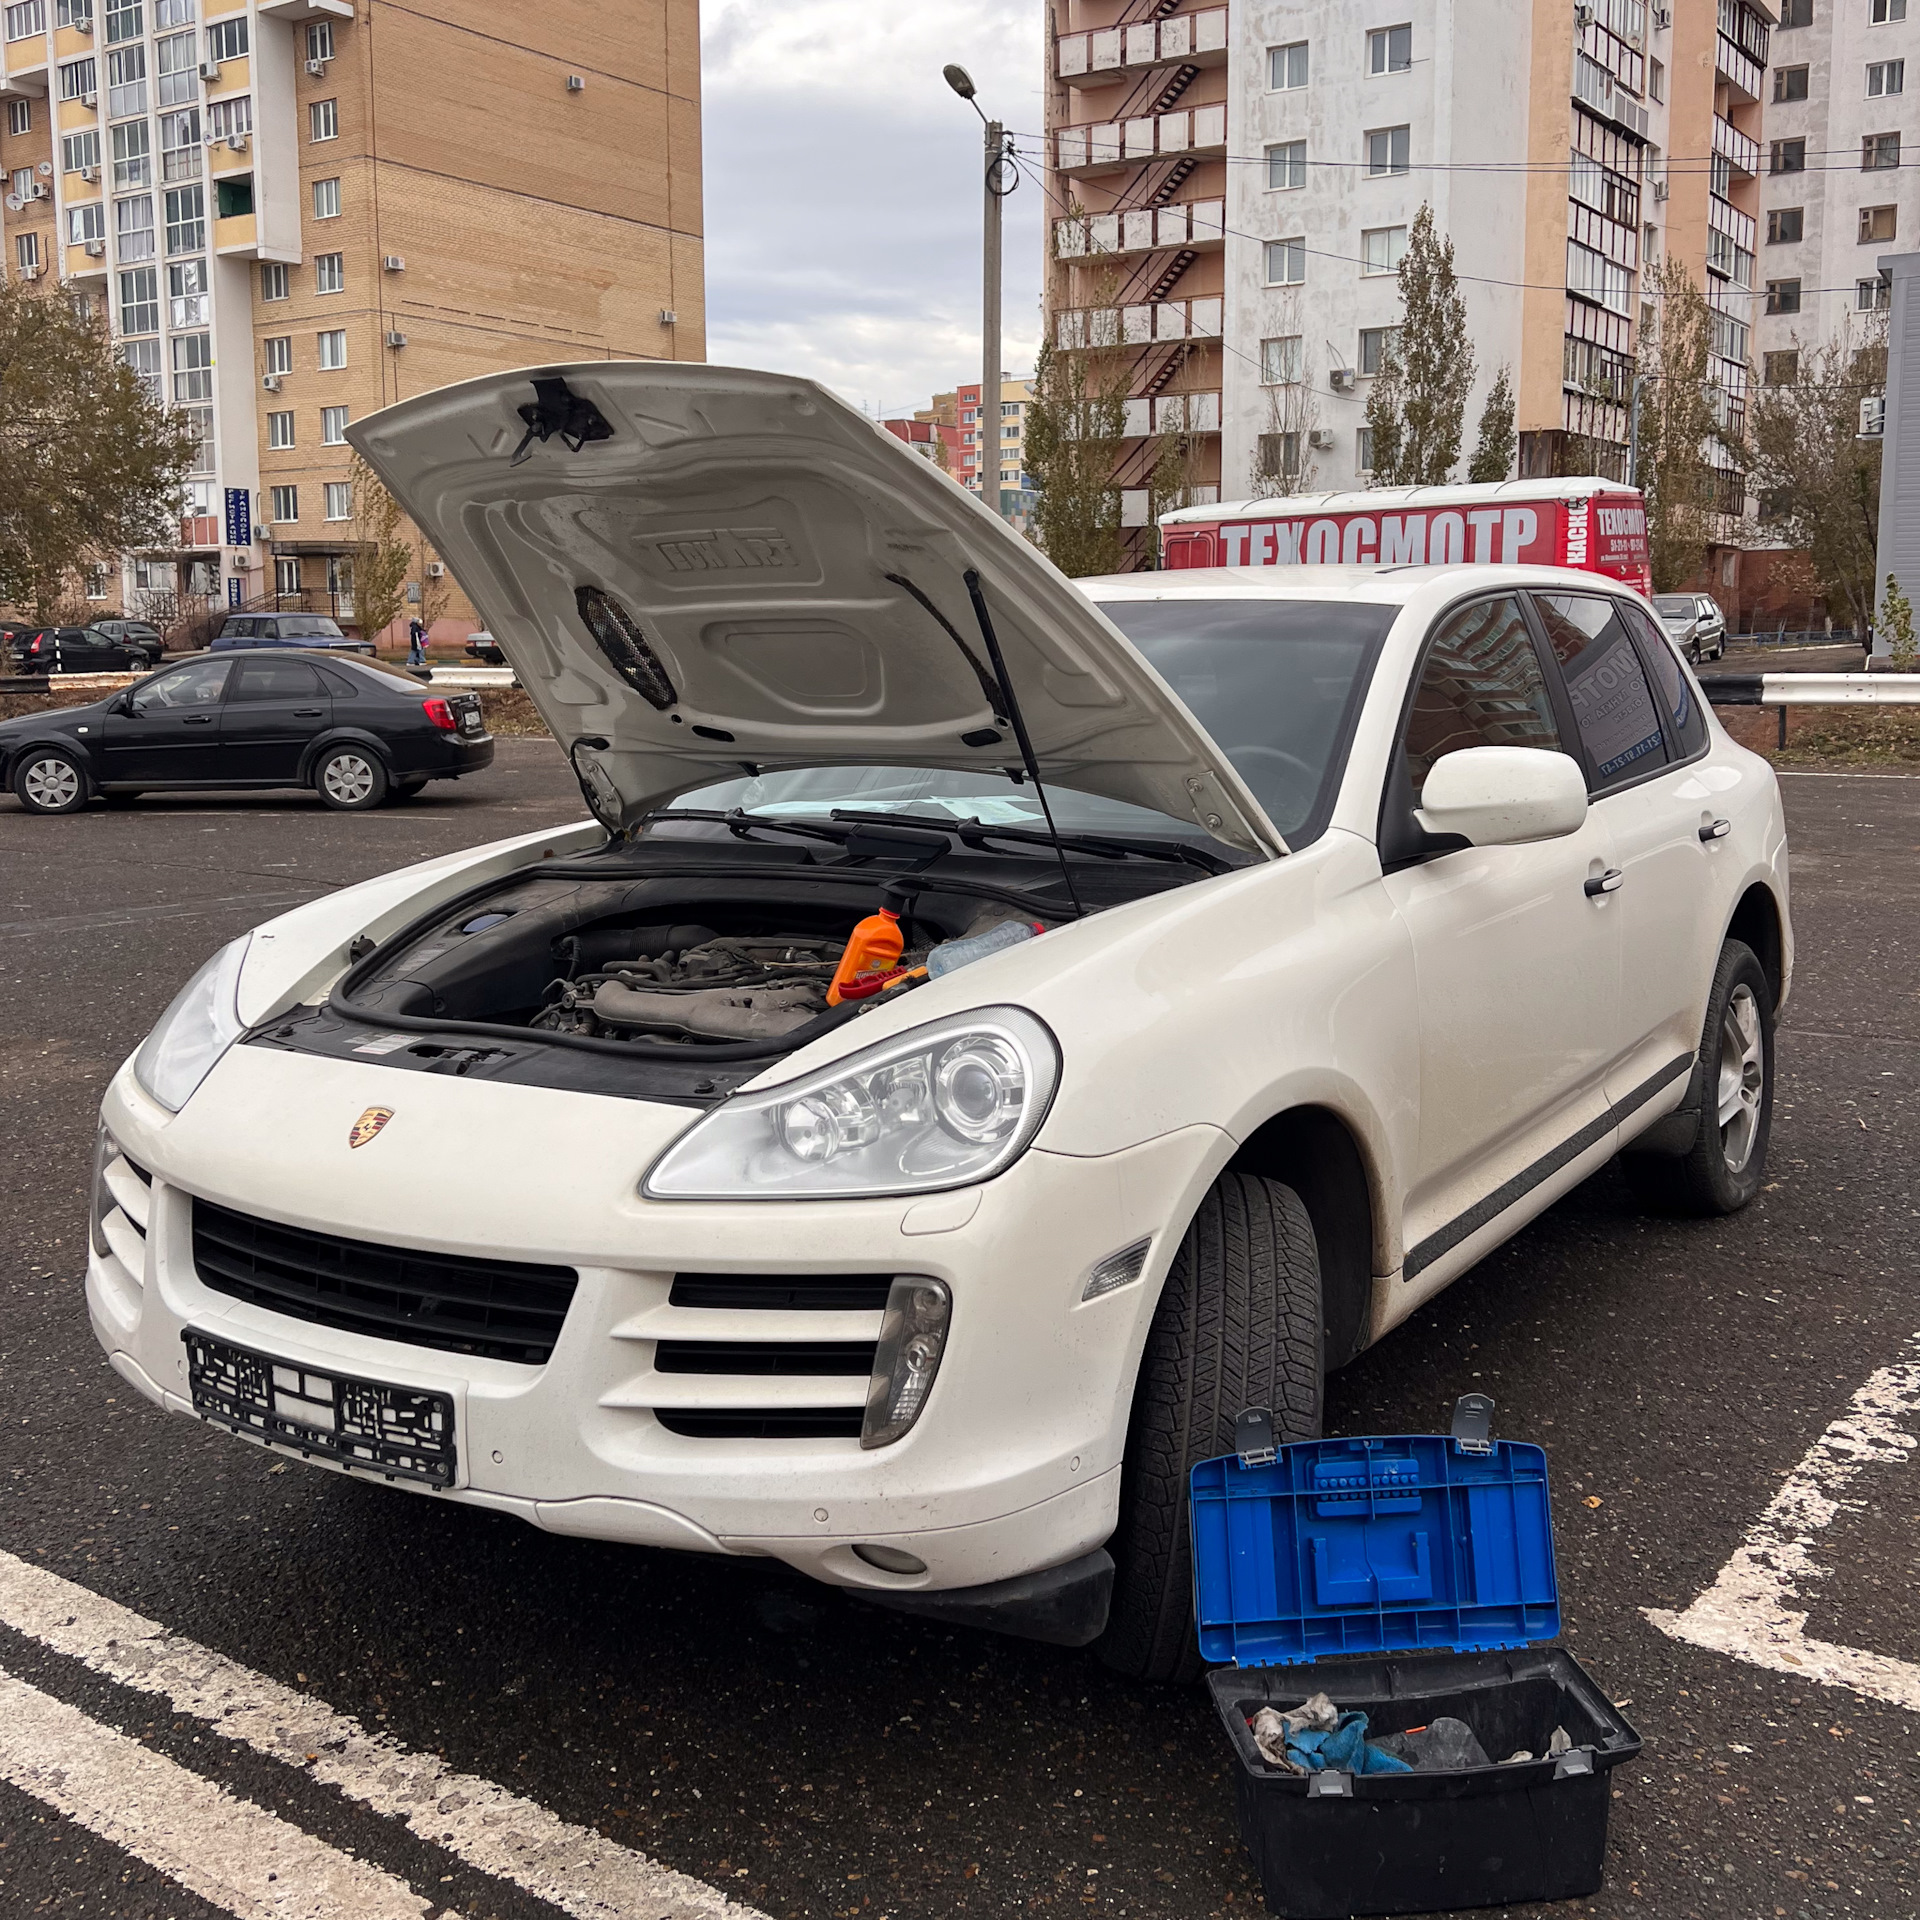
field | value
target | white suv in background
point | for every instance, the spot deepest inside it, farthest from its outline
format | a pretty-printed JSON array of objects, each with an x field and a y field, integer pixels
[{"x": 1364, "y": 912}]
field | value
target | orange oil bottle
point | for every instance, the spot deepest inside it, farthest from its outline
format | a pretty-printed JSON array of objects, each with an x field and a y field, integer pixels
[{"x": 874, "y": 946}]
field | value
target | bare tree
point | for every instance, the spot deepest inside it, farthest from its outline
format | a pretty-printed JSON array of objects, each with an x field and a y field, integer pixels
[
  {"x": 382, "y": 553},
  {"x": 1281, "y": 467},
  {"x": 1679, "y": 427}
]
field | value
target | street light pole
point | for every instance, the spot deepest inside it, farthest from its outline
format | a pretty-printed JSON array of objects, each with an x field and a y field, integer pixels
[{"x": 999, "y": 179}]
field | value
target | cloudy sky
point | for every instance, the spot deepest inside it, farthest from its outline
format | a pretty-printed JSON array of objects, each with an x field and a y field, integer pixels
[{"x": 843, "y": 190}]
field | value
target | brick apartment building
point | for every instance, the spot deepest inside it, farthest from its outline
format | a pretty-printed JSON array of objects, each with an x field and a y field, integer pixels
[
  {"x": 951, "y": 434},
  {"x": 294, "y": 212}
]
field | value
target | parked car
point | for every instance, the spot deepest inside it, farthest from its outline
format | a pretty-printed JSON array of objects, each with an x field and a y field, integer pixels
[
  {"x": 140, "y": 633},
  {"x": 1386, "y": 905},
  {"x": 311, "y": 632},
  {"x": 1694, "y": 623},
  {"x": 81, "y": 650},
  {"x": 481, "y": 645},
  {"x": 355, "y": 731}
]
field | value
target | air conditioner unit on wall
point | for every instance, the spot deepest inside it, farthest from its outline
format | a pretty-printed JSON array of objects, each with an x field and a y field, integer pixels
[
  {"x": 271, "y": 381},
  {"x": 1663, "y": 18},
  {"x": 316, "y": 68},
  {"x": 96, "y": 249},
  {"x": 237, "y": 143},
  {"x": 1659, "y": 189},
  {"x": 1321, "y": 439},
  {"x": 394, "y": 263},
  {"x": 435, "y": 571},
  {"x": 396, "y": 339},
  {"x": 30, "y": 273},
  {"x": 1342, "y": 379},
  {"x": 209, "y": 69},
  {"x": 90, "y": 174},
  {"x": 89, "y": 99},
  {"x": 38, "y": 191}
]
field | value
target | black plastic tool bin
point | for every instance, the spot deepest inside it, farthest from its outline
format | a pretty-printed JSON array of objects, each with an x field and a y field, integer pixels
[{"x": 1338, "y": 1567}]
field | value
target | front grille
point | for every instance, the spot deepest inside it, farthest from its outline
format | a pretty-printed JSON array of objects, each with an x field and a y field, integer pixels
[
  {"x": 499, "y": 1309},
  {"x": 765, "y": 1356},
  {"x": 763, "y": 1423},
  {"x": 784, "y": 1292}
]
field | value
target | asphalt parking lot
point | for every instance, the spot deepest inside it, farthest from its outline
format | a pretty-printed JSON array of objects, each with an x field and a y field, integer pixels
[{"x": 810, "y": 1756}]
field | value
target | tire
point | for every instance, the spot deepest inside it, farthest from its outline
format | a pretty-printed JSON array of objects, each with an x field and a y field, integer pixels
[
  {"x": 350, "y": 779},
  {"x": 49, "y": 781},
  {"x": 1238, "y": 1325},
  {"x": 1733, "y": 1087}
]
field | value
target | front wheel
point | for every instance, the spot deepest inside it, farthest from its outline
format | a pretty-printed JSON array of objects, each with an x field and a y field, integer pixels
[
  {"x": 1733, "y": 1089},
  {"x": 350, "y": 779},
  {"x": 1238, "y": 1325},
  {"x": 49, "y": 781}
]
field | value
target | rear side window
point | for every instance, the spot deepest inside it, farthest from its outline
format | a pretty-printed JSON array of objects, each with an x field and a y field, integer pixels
[
  {"x": 1678, "y": 702},
  {"x": 276, "y": 680},
  {"x": 1612, "y": 703},
  {"x": 1481, "y": 686},
  {"x": 239, "y": 630}
]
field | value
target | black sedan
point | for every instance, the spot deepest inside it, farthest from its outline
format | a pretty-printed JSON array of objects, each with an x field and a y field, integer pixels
[
  {"x": 82, "y": 650},
  {"x": 355, "y": 731}
]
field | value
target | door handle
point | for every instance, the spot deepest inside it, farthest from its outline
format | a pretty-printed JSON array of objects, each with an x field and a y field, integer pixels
[
  {"x": 1716, "y": 830},
  {"x": 1608, "y": 882},
  {"x": 308, "y": 713},
  {"x": 197, "y": 720}
]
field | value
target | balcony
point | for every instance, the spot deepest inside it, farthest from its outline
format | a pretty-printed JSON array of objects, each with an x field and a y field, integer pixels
[
  {"x": 1172, "y": 413},
  {"x": 1115, "y": 144},
  {"x": 1076, "y": 328},
  {"x": 239, "y": 233},
  {"x": 1738, "y": 68},
  {"x": 1739, "y": 151},
  {"x": 305, "y": 9},
  {"x": 1596, "y": 89},
  {"x": 1112, "y": 53},
  {"x": 1197, "y": 224}
]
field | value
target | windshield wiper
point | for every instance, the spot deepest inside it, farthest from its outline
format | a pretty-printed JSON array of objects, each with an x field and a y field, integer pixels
[
  {"x": 976, "y": 833},
  {"x": 738, "y": 821}
]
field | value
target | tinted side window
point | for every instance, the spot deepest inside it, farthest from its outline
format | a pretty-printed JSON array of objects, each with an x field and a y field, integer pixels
[
  {"x": 197, "y": 686},
  {"x": 276, "y": 680},
  {"x": 1481, "y": 686},
  {"x": 1612, "y": 704},
  {"x": 1674, "y": 693},
  {"x": 338, "y": 683}
]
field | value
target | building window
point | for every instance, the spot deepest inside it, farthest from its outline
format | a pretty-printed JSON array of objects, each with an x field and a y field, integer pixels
[
  {"x": 1656, "y": 81},
  {"x": 1280, "y": 455},
  {"x": 320, "y": 40},
  {"x": 1877, "y": 225},
  {"x": 186, "y": 219},
  {"x": 1286, "y": 263},
  {"x": 326, "y": 199},
  {"x": 1390, "y": 50},
  {"x": 1381, "y": 249},
  {"x": 96, "y": 582},
  {"x": 1783, "y": 296},
  {"x": 1879, "y": 150},
  {"x": 133, "y": 227},
  {"x": 126, "y": 82},
  {"x": 333, "y": 426},
  {"x": 19, "y": 116},
  {"x": 323, "y": 120},
  {"x": 1287, "y": 165},
  {"x": 132, "y": 155},
  {"x": 78, "y": 150},
  {"x": 1387, "y": 150},
  {"x": 1780, "y": 369},
  {"x": 339, "y": 500},
  {"x": 1873, "y": 296},
  {"x": 178, "y": 69},
  {"x": 143, "y": 358},
  {"x": 85, "y": 223},
  {"x": 286, "y": 574},
  {"x": 1787, "y": 156},
  {"x": 1375, "y": 344},
  {"x": 1799, "y": 13},
  {"x": 180, "y": 144},
  {"x": 73, "y": 13},
  {"x": 1886, "y": 76},
  {"x": 29, "y": 17},
  {"x": 193, "y": 366},
  {"x": 124, "y": 21},
  {"x": 227, "y": 39},
  {"x": 333, "y": 349},
  {"x": 1883, "y": 12},
  {"x": 1363, "y": 449},
  {"x": 140, "y": 301},
  {"x": 1594, "y": 277},
  {"x": 172, "y": 13},
  {"x": 1287, "y": 67},
  {"x": 280, "y": 437},
  {"x": 329, "y": 273},
  {"x": 200, "y": 421},
  {"x": 26, "y": 252},
  {"x": 1785, "y": 225},
  {"x": 277, "y": 353},
  {"x": 284, "y": 501},
  {"x": 1011, "y": 432},
  {"x": 273, "y": 280},
  {"x": 231, "y": 118},
  {"x": 1281, "y": 360},
  {"x": 1789, "y": 83},
  {"x": 79, "y": 80},
  {"x": 187, "y": 294}
]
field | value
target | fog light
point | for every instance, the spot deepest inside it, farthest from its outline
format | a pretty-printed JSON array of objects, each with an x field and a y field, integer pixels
[
  {"x": 105, "y": 1151},
  {"x": 912, "y": 1338},
  {"x": 1117, "y": 1270},
  {"x": 890, "y": 1559}
]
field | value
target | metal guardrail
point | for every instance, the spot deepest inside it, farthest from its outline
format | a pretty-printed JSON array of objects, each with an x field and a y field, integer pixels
[{"x": 1784, "y": 690}]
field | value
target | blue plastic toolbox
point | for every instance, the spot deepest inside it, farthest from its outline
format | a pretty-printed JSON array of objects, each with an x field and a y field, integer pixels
[{"x": 1409, "y": 1577}]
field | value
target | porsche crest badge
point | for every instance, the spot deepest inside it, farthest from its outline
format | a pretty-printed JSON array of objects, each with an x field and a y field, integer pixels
[{"x": 368, "y": 1125}]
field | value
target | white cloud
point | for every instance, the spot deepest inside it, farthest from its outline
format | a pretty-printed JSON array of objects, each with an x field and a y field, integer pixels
[{"x": 843, "y": 200}]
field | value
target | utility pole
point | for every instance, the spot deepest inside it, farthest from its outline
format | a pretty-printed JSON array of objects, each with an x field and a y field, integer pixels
[{"x": 999, "y": 177}]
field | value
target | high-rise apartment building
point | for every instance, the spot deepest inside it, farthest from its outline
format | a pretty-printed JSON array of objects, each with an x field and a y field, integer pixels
[
  {"x": 1234, "y": 187},
  {"x": 979, "y": 445},
  {"x": 1841, "y": 139},
  {"x": 294, "y": 212}
]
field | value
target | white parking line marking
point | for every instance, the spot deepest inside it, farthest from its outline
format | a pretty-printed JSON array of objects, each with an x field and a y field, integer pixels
[
  {"x": 1746, "y": 1612},
  {"x": 228, "y": 1851},
  {"x": 576, "y": 1869}
]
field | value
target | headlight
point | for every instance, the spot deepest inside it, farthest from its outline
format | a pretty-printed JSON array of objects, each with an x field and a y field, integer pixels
[
  {"x": 202, "y": 1023},
  {"x": 943, "y": 1106}
]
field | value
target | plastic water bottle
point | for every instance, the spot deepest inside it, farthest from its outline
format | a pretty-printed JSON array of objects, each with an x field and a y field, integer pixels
[{"x": 950, "y": 955}]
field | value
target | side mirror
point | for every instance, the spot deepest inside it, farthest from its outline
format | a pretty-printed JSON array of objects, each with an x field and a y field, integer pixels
[
  {"x": 122, "y": 703},
  {"x": 1503, "y": 796}
]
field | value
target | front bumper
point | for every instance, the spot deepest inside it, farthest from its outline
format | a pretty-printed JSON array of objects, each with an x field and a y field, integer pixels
[{"x": 1012, "y": 1468}]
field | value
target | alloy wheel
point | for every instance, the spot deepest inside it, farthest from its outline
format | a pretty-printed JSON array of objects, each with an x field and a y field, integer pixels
[
  {"x": 348, "y": 779},
  {"x": 53, "y": 784},
  {"x": 1743, "y": 1076}
]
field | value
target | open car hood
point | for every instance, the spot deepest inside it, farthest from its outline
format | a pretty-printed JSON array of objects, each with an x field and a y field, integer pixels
[{"x": 709, "y": 568}]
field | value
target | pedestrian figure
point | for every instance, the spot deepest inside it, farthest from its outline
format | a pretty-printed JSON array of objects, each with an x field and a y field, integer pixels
[{"x": 416, "y": 643}]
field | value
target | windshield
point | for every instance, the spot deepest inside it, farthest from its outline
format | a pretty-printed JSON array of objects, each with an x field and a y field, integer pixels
[
  {"x": 1676, "y": 606},
  {"x": 309, "y": 626}
]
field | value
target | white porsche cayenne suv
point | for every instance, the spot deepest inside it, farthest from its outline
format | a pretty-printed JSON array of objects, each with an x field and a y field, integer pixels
[{"x": 1248, "y": 953}]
